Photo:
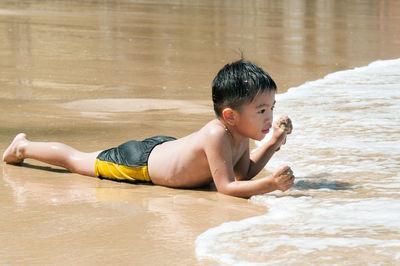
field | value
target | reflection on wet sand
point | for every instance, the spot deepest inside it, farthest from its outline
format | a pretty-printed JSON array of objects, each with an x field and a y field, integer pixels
[
  {"x": 138, "y": 105},
  {"x": 173, "y": 49},
  {"x": 66, "y": 65},
  {"x": 89, "y": 208}
]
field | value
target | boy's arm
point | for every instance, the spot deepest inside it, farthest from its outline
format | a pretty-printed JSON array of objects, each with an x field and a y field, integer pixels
[
  {"x": 219, "y": 156},
  {"x": 248, "y": 188},
  {"x": 260, "y": 157},
  {"x": 250, "y": 165}
]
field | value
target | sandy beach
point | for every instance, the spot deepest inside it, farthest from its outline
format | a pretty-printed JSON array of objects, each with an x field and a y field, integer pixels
[{"x": 94, "y": 74}]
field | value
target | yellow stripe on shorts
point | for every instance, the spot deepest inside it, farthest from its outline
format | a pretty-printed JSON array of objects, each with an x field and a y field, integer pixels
[{"x": 121, "y": 172}]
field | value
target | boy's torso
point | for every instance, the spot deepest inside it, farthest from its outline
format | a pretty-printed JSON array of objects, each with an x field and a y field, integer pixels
[{"x": 183, "y": 162}]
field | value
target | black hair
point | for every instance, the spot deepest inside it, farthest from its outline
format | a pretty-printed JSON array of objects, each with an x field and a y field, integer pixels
[{"x": 237, "y": 84}]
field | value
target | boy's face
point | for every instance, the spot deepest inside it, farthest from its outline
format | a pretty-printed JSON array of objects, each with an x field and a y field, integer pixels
[{"x": 254, "y": 120}]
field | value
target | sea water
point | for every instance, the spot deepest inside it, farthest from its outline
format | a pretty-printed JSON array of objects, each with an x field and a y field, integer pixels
[{"x": 345, "y": 205}]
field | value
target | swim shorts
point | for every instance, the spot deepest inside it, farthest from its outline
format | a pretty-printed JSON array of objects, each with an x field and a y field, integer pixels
[{"x": 128, "y": 161}]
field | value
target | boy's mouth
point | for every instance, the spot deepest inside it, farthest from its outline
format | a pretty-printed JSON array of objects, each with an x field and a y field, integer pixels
[{"x": 266, "y": 131}]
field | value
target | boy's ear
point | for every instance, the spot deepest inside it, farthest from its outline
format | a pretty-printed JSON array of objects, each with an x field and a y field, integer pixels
[{"x": 229, "y": 115}]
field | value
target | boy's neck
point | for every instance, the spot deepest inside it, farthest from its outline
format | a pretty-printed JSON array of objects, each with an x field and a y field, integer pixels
[
  {"x": 227, "y": 130},
  {"x": 236, "y": 138}
]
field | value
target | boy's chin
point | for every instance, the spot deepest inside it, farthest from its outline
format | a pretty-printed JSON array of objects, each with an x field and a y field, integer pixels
[{"x": 258, "y": 138}]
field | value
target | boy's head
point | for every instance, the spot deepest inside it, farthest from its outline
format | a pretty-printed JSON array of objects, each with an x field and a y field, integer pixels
[{"x": 237, "y": 84}]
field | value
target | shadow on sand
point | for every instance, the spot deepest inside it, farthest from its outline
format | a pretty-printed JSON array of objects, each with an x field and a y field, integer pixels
[
  {"x": 320, "y": 182},
  {"x": 44, "y": 168}
]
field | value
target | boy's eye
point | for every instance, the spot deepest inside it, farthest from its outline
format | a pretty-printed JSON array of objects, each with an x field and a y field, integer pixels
[
  {"x": 273, "y": 107},
  {"x": 261, "y": 111}
]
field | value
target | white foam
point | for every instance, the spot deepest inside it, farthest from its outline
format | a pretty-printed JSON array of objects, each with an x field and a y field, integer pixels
[
  {"x": 345, "y": 152},
  {"x": 305, "y": 225}
]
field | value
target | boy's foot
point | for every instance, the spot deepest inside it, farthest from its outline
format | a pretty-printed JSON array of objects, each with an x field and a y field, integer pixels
[{"x": 13, "y": 153}]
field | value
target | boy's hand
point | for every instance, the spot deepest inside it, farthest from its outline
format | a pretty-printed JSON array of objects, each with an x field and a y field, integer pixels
[
  {"x": 283, "y": 178},
  {"x": 285, "y": 124},
  {"x": 282, "y": 127}
]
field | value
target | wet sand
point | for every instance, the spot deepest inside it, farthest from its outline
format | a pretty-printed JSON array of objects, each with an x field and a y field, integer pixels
[{"x": 95, "y": 74}]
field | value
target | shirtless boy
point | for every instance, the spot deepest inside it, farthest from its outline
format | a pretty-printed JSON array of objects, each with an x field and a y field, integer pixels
[{"x": 244, "y": 99}]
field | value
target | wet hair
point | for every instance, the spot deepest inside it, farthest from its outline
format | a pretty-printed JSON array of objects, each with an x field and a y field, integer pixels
[{"x": 237, "y": 84}]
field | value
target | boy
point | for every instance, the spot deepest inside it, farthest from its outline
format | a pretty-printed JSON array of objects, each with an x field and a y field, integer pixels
[{"x": 244, "y": 98}]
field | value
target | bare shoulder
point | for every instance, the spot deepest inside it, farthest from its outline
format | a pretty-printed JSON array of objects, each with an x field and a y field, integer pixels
[
  {"x": 214, "y": 128},
  {"x": 222, "y": 146},
  {"x": 214, "y": 133}
]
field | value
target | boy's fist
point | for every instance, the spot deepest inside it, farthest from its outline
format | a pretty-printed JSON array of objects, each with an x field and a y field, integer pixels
[
  {"x": 285, "y": 123},
  {"x": 284, "y": 178},
  {"x": 282, "y": 127}
]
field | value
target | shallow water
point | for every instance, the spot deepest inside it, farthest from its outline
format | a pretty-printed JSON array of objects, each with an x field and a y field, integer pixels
[
  {"x": 94, "y": 74},
  {"x": 345, "y": 153}
]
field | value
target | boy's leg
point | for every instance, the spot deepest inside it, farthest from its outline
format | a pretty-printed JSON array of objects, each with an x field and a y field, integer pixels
[{"x": 53, "y": 153}]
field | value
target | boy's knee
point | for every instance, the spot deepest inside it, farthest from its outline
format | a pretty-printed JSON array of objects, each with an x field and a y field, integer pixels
[{"x": 79, "y": 163}]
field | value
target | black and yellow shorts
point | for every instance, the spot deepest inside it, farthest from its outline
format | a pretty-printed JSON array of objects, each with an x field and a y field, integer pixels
[{"x": 128, "y": 161}]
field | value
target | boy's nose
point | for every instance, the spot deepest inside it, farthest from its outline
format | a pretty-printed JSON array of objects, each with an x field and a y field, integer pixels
[{"x": 269, "y": 118}]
